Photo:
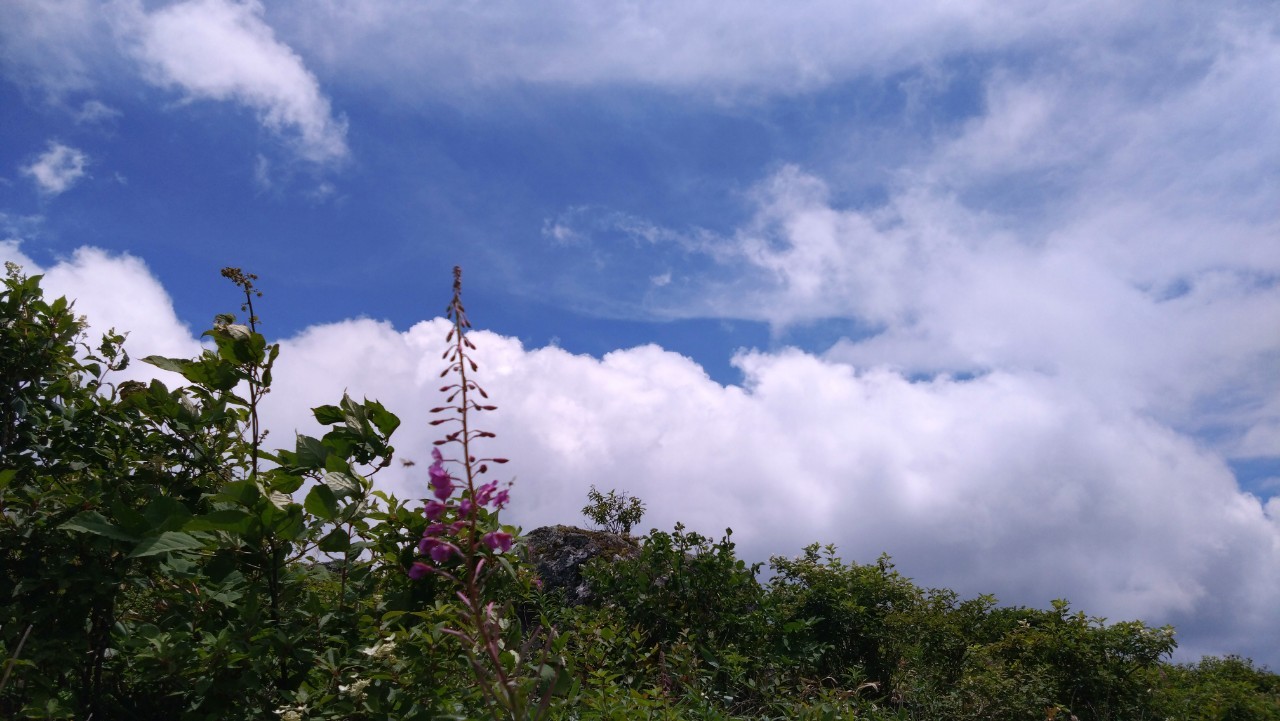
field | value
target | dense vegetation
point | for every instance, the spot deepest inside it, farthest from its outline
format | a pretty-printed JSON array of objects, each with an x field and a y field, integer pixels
[{"x": 157, "y": 562}]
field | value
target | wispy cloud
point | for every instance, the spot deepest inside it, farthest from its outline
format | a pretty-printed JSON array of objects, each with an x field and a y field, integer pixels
[
  {"x": 220, "y": 50},
  {"x": 96, "y": 111},
  {"x": 57, "y": 169}
]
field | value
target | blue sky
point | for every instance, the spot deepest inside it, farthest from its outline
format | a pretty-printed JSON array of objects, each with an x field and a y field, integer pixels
[{"x": 993, "y": 287}]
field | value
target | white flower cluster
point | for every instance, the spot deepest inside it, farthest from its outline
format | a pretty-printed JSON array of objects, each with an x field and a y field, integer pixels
[
  {"x": 382, "y": 649},
  {"x": 291, "y": 713},
  {"x": 356, "y": 689}
]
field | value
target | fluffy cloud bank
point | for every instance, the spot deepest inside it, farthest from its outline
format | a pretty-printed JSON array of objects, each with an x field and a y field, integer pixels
[{"x": 1009, "y": 482}]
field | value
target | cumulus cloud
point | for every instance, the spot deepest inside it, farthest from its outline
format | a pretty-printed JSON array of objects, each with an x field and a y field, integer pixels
[
  {"x": 57, "y": 169},
  {"x": 114, "y": 291},
  {"x": 1007, "y": 482},
  {"x": 1109, "y": 225},
  {"x": 224, "y": 50}
]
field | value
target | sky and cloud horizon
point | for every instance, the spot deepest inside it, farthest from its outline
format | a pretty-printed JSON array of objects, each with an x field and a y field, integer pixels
[{"x": 991, "y": 287}]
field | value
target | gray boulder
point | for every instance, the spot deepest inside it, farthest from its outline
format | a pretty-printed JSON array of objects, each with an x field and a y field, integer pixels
[{"x": 558, "y": 553}]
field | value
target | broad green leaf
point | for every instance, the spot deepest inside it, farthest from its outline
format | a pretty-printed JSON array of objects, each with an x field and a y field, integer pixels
[
  {"x": 166, "y": 513},
  {"x": 177, "y": 365},
  {"x": 128, "y": 519},
  {"x": 311, "y": 452},
  {"x": 321, "y": 502},
  {"x": 167, "y": 542},
  {"x": 336, "y": 541},
  {"x": 6, "y": 477},
  {"x": 213, "y": 373},
  {"x": 327, "y": 415},
  {"x": 228, "y": 520},
  {"x": 385, "y": 420},
  {"x": 241, "y": 492},
  {"x": 283, "y": 482},
  {"x": 280, "y": 500},
  {"x": 94, "y": 522},
  {"x": 342, "y": 484}
]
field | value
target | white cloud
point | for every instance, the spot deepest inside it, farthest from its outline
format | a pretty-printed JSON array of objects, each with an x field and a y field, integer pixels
[
  {"x": 59, "y": 45},
  {"x": 776, "y": 47},
  {"x": 95, "y": 279},
  {"x": 57, "y": 169},
  {"x": 1108, "y": 223},
  {"x": 1008, "y": 483},
  {"x": 224, "y": 50},
  {"x": 96, "y": 111},
  {"x": 219, "y": 50}
]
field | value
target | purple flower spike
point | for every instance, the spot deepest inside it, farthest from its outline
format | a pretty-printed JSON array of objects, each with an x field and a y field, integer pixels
[
  {"x": 434, "y": 510},
  {"x": 501, "y": 499},
  {"x": 464, "y": 507},
  {"x": 419, "y": 570}
]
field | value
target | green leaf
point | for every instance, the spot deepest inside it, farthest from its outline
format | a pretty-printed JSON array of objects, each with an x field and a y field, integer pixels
[
  {"x": 321, "y": 502},
  {"x": 336, "y": 541},
  {"x": 284, "y": 482},
  {"x": 177, "y": 365},
  {"x": 385, "y": 420},
  {"x": 128, "y": 519},
  {"x": 213, "y": 373},
  {"x": 167, "y": 542},
  {"x": 280, "y": 500},
  {"x": 342, "y": 484},
  {"x": 311, "y": 452},
  {"x": 6, "y": 477},
  {"x": 228, "y": 520},
  {"x": 166, "y": 513},
  {"x": 244, "y": 493},
  {"x": 94, "y": 522},
  {"x": 327, "y": 415}
]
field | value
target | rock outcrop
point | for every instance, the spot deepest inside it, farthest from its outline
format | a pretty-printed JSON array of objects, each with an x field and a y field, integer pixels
[{"x": 559, "y": 552}]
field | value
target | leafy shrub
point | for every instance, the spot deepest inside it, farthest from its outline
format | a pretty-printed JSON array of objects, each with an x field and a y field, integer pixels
[{"x": 615, "y": 512}]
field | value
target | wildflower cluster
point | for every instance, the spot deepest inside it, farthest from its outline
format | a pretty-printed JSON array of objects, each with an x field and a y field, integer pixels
[{"x": 450, "y": 521}]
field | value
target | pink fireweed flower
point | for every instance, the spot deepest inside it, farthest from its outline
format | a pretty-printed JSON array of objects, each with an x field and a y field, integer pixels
[
  {"x": 419, "y": 570},
  {"x": 501, "y": 499},
  {"x": 497, "y": 540},
  {"x": 438, "y": 550},
  {"x": 441, "y": 552},
  {"x": 464, "y": 507},
  {"x": 441, "y": 481},
  {"x": 435, "y": 529},
  {"x": 485, "y": 493},
  {"x": 434, "y": 510}
]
